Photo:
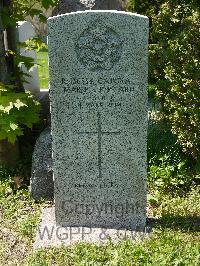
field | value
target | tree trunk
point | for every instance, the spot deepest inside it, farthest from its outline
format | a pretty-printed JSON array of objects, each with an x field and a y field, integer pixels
[
  {"x": 3, "y": 65},
  {"x": 9, "y": 153},
  {"x": 12, "y": 45},
  {"x": 67, "y": 6}
]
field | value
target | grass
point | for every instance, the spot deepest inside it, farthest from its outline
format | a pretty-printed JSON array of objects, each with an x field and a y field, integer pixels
[
  {"x": 42, "y": 59},
  {"x": 175, "y": 239}
]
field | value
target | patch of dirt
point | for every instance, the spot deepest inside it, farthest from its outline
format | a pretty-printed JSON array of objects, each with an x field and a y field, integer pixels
[{"x": 16, "y": 249}]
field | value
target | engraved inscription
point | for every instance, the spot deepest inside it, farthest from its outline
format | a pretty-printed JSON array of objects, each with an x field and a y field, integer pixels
[
  {"x": 100, "y": 133},
  {"x": 108, "y": 88},
  {"x": 99, "y": 47}
]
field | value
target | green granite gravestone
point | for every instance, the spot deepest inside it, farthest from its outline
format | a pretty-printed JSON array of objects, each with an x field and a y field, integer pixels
[{"x": 98, "y": 93}]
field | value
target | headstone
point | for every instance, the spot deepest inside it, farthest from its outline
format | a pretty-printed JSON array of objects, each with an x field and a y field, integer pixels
[
  {"x": 41, "y": 183},
  {"x": 98, "y": 92},
  {"x": 43, "y": 97},
  {"x": 25, "y": 32}
]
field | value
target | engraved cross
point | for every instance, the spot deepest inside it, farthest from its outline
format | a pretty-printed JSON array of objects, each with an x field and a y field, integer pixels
[{"x": 100, "y": 133}]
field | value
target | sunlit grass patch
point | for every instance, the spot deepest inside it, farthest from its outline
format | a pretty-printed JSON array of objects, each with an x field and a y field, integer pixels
[{"x": 43, "y": 69}]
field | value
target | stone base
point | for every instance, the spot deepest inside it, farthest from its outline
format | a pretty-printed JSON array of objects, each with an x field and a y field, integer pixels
[{"x": 51, "y": 235}]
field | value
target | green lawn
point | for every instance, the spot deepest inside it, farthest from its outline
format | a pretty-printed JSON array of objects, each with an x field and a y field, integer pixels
[
  {"x": 42, "y": 60},
  {"x": 175, "y": 239}
]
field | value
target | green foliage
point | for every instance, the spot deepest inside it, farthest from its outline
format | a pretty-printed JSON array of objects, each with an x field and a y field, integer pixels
[
  {"x": 16, "y": 110},
  {"x": 145, "y": 6},
  {"x": 17, "y": 210},
  {"x": 33, "y": 44},
  {"x": 169, "y": 170},
  {"x": 27, "y": 226},
  {"x": 47, "y": 3},
  {"x": 19, "y": 109},
  {"x": 175, "y": 66},
  {"x": 20, "y": 9},
  {"x": 176, "y": 71},
  {"x": 170, "y": 177},
  {"x": 19, "y": 60},
  {"x": 6, "y": 173}
]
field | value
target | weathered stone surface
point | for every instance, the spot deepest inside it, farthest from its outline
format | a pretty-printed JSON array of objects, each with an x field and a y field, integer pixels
[
  {"x": 67, "y": 6},
  {"x": 98, "y": 73},
  {"x": 42, "y": 186}
]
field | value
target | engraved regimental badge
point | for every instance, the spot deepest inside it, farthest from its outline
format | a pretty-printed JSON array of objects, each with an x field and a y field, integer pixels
[{"x": 99, "y": 47}]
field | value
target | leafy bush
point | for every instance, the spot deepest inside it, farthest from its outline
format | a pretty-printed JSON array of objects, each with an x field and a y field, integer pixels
[
  {"x": 177, "y": 71},
  {"x": 169, "y": 170},
  {"x": 175, "y": 66},
  {"x": 6, "y": 173},
  {"x": 16, "y": 110}
]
